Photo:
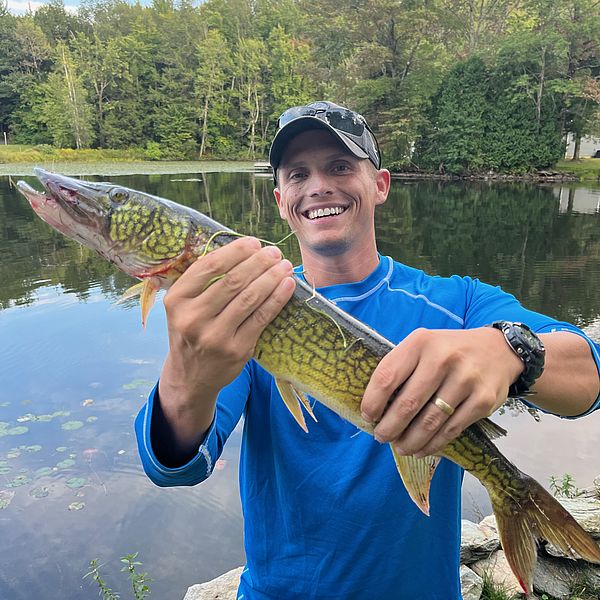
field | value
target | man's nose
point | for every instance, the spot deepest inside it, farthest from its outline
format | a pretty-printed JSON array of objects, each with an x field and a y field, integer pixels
[{"x": 319, "y": 185}]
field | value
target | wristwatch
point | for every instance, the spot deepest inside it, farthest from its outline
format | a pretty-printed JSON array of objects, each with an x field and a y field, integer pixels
[{"x": 529, "y": 348}]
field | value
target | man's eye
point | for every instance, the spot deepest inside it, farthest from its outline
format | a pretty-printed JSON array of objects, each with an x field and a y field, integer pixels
[
  {"x": 341, "y": 168},
  {"x": 297, "y": 175}
]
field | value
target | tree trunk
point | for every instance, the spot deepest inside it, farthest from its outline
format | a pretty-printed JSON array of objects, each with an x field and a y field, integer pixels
[{"x": 577, "y": 146}]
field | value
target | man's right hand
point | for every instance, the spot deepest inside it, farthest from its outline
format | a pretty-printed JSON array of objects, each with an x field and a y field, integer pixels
[{"x": 216, "y": 312}]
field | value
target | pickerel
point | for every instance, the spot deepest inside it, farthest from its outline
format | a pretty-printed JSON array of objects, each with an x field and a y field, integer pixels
[{"x": 312, "y": 349}]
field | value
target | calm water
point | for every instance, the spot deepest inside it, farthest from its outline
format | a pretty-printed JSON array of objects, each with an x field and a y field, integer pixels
[{"x": 75, "y": 369}]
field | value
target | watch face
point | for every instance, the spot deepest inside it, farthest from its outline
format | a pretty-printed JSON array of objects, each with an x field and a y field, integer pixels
[{"x": 531, "y": 339}]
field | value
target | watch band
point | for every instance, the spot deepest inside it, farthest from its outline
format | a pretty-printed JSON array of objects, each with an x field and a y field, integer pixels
[{"x": 529, "y": 348}]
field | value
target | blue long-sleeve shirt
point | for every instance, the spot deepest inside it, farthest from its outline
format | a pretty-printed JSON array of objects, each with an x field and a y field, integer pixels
[{"x": 326, "y": 516}]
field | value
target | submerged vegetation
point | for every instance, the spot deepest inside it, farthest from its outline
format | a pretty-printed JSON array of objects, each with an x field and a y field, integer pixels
[{"x": 472, "y": 87}]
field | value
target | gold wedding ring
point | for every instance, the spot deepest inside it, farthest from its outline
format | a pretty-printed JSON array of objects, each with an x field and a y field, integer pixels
[{"x": 443, "y": 406}]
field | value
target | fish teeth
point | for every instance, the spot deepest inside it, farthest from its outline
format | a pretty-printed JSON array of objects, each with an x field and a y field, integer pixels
[{"x": 325, "y": 212}]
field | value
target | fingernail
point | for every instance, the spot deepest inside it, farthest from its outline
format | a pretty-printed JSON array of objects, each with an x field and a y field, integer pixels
[
  {"x": 273, "y": 251},
  {"x": 380, "y": 440}
]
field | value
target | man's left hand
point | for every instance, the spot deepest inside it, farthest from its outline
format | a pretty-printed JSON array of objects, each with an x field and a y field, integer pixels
[{"x": 467, "y": 371}]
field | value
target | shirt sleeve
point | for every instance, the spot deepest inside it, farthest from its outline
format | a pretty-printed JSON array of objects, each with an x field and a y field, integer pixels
[
  {"x": 486, "y": 304},
  {"x": 231, "y": 403}
]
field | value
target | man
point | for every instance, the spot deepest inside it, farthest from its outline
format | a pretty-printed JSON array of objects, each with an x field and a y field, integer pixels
[{"x": 326, "y": 515}]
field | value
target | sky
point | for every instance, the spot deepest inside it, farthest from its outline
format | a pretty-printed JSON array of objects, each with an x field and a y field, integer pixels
[{"x": 19, "y": 7}]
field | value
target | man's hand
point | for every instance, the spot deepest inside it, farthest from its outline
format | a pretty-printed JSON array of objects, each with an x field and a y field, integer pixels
[
  {"x": 216, "y": 312},
  {"x": 469, "y": 370}
]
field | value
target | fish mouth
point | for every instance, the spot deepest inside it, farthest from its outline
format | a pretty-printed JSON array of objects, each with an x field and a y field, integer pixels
[{"x": 73, "y": 207}]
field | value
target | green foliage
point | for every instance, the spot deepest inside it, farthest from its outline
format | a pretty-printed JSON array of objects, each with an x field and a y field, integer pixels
[
  {"x": 484, "y": 118},
  {"x": 564, "y": 487},
  {"x": 494, "y": 591},
  {"x": 139, "y": 581},
  {"x": 496, "y": 88}
]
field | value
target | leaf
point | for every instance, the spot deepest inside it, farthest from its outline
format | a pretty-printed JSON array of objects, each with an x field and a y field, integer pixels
[
  {"x": 76, "y": 505},
  {"x": 19, "y": 480},
  {"x": 65, "y": 464},
  {"x": 72, "y": 425},
  {"x": 76, "y": 482},
  {"x": 39, "y": 492},
  {"x": 6, "y": 497},
  {"x": 18, "y": 430},
  {"x": 43, "y": 472}
]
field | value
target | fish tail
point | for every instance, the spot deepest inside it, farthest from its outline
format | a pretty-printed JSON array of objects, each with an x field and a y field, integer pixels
[{"x": 527, "y": 513}]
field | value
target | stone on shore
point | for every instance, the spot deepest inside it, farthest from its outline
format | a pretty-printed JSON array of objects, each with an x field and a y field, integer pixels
[
  {"x": 496, "y": 569},
  {"x": 477, "y": 541},
  {"x": 471, "y": 584},
  {"x": 221, "y": 588}
]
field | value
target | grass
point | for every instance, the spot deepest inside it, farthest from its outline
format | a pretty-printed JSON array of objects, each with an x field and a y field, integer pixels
[
  {"x": 18, "y": 153},
  {"x": 585, "y": 168}
]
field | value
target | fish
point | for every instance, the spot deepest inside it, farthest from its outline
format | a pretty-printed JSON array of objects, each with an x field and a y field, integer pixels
[{"x": 312, "y": 348}]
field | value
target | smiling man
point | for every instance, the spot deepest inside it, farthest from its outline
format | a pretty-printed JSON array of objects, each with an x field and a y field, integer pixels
[{"x": 326, "y": 515}]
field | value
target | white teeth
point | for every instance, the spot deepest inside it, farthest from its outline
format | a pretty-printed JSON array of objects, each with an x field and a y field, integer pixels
[{"x": 325, "y": 212}]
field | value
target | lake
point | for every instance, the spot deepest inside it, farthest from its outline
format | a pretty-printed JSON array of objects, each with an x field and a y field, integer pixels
[{"x": 75, "y": 368}]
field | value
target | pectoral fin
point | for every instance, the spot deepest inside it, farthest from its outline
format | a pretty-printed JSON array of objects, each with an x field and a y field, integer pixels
[
  {"x": 416, "y": 475},
  {"x": 292, "y": 401}
]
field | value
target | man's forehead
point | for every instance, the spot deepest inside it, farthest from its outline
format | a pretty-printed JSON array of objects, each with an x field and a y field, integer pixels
[{"x": 310, "y": 141}]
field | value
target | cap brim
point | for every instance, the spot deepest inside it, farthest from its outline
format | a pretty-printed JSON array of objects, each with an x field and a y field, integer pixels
[{"x": 301, "y": 124}]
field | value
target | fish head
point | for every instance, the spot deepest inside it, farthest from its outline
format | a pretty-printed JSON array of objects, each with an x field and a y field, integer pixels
[{"x": 142, "y": 234}]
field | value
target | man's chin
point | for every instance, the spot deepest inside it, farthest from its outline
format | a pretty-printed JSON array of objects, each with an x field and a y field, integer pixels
[{"x": 329, "y": 247}]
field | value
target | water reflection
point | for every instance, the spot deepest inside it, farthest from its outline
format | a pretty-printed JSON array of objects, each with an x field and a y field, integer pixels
[{"x": 75, "y": 369}]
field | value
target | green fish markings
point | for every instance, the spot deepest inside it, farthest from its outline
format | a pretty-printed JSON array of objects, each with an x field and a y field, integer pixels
[{"x": 312, "y": 348}]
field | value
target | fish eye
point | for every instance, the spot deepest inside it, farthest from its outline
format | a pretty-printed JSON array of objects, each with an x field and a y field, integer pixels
[{"x": 118, "y": 195}]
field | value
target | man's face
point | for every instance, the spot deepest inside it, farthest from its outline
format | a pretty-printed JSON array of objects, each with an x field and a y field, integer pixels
[{"x": 327, "y": 195}]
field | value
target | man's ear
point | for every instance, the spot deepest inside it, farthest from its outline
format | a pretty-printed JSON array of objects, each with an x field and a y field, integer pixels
[
  {"x": 280, "y": 205},
  {"x": 383, "y": 181}
]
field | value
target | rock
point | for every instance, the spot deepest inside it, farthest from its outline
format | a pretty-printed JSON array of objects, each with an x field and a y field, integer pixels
[
  {"x": 490, "y": 523},
  {"x": 477, "y": 541},
  {"x": 221, "y": 588},
  {"x": 471, "y": 584},
  {"x": 495, "y": 568},
  {"x": 554, "y": 577}
]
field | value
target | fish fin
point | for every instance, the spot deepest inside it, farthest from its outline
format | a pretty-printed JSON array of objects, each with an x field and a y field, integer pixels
[
  {"x": 147, "y": 297},
  {"x": 490, "y": 429},
  {"x": 292, "y": 402},
  {"x": 132, "y": 292},
  {"x": 301, "y": 396},
  {"x": 529, "y": 513},
  {"x": 416, "y": 475}
]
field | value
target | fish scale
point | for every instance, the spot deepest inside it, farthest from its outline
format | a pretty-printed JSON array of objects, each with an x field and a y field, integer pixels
[{"x": 311, "y": 348}]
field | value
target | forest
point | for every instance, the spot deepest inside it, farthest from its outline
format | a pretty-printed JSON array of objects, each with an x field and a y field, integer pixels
[{"x": 453, "y": 86}]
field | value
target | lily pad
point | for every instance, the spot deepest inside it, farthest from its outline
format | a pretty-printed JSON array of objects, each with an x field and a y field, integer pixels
[
  {"x": 4, "y": 404},
  {"x": 76, "y": 482},
  {"x": 13, "y": 453},
  {"x": 72, "y": 425},
  {"x": 5, "y": 469},
  {"x": 61, "y": 449},
  {"x": 33, "y": 448},
  {"x": 92, "y": 419},
  {"x": 76, "y": 505},
  {"x": 43, "y": 472},
  {"x": 6, "y": 497},
  {"x": 20, "y": 430},
  {"x": 39, "y": 492},
  {"x": 19, "y": 480},
  {"x": 65, "y": 464},
  {"x": 138, "y": 383}
]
